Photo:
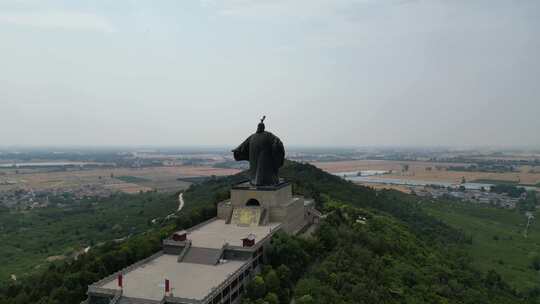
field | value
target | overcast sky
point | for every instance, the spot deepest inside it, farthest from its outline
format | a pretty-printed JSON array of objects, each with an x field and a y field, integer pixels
[{"x": 324, "y": 72}]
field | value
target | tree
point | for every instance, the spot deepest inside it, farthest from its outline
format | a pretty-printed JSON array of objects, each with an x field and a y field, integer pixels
[
  {"x": 306, "y": 299},
  {"x": 535, "y": 264},
  {"x": 286, "y": 250},
  {"x": 284, "y": 274},
  {"x": 271, "y": 298},
  {"x": 328, "y": 236},
  {"x": 493, "y": 280},
  {"x": 308, "y": 286},
  {"x": 271, "y": 281},
  {"x": 405, "y": 167},
  {"x": 256, "y": 289},
  {"x": 284, "y": 295},
  {"x": 22, "y": 298}
]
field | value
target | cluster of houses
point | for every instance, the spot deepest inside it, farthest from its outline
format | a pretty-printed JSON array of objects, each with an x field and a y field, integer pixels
[
  {"x": 476, "y": 196},
  {"x": 28, "y": 198},
  {"x": 16, "y": 198}
]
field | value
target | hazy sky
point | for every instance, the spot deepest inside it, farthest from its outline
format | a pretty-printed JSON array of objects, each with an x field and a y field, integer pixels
[{"x": 325, "y": 72}]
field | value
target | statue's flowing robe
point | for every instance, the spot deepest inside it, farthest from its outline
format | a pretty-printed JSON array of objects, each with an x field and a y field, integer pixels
[{"x": 265, "y": 153}]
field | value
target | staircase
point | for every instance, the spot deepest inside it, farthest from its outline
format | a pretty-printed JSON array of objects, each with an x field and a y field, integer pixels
[
  {"x": 199, "y": 255},
  {"x": 264, "y": 220},
  {"x": 221, "y": 252},
  {"x": 184, "y": 251},
  {"x": 229, "y": 216}
]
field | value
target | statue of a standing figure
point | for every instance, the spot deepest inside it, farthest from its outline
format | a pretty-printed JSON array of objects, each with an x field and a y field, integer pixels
[{"x": 265, "y": 154}]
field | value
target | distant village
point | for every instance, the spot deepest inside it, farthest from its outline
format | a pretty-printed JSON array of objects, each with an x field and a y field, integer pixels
[
  {"x": 27, "y": 198},
  {"x": 500, "y": 195},
  {"x": 481, "y": 196}
]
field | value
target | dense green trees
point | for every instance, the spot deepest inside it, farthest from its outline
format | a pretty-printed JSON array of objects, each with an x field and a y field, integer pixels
[
  {"x": 67, "y": 282},
  {"x": 529, "y": 203},
  {"x": 379, "y": 261},
  {"x": 535, "y": 263},
  {"x": 27, "y": 238}
]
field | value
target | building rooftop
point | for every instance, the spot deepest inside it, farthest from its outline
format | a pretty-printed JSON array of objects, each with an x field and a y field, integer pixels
[
  {"x": 187, "y": 280},
  {"x": 216, "y": 233},
  {"x": 197, "y": 274}
]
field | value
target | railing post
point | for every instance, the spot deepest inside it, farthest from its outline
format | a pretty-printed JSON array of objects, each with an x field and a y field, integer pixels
[{"x": 120, "y": 281}]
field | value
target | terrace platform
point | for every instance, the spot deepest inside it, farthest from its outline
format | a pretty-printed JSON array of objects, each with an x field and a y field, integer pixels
[
  {"x": 192, "y": 281},
  {"x": 217, "y": 233}
]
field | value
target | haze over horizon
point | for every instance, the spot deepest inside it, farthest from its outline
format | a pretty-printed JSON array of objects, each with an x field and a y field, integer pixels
[{"x": 324, "y": 72}]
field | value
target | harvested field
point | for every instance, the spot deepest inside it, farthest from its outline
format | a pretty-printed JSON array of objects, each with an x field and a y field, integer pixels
[
  {"x": 131, "y": 179},
  {"x": 128, "y": 187},
  {"x": 418, "y": 170}
]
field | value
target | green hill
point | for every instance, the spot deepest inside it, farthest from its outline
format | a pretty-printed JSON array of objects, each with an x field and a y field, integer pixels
[
  {"x": 500, "y": 239},
  {"x": 400, "y": 254},
  {"x": 31, "y": 238}
]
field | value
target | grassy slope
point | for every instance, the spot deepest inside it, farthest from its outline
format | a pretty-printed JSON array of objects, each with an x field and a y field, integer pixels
[
  {"x": 511, "y": 254},
  {"x": 28, "y": 238}
]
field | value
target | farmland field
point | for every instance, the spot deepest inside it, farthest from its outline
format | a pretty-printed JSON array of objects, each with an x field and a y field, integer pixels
[
  {"x": 427, "y": 171},
  {"x": 495, "y": 181},
  {"x": 129, "y": 180},
  {"x": 132, "y": 179}
]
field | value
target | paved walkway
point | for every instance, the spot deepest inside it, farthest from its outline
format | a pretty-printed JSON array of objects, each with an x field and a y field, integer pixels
[
  {"x": 180, "y": 202},
  {"x": 180, "y": 206}
]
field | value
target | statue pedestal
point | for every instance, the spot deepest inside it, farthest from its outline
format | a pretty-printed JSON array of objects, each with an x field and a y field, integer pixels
[
  {"x": 276, "y": 202},
  {"x": 245, "y": 194}
]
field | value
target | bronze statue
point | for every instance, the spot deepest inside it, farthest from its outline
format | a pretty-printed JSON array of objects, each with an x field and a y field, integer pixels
[{"x": 265, "y": 153}]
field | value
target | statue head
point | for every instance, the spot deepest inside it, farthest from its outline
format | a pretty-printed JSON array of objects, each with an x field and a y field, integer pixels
[{"x": 260, "y": 126}]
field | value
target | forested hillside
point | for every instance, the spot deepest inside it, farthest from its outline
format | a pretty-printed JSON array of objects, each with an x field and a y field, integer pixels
[
  {"x": 31, "y": 239},
  {"x": 376, "y": 260},
  {"x": 505, "y": 240},
  {"x": 374, "y": 247}
]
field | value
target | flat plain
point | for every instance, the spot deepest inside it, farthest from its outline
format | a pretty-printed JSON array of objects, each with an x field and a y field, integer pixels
[
  {"x": 427, "y": 171},
  {"x": 129, "y": 180}
]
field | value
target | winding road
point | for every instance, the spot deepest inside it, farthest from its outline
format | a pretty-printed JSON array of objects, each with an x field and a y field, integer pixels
[
  {"x": 180, "y": 206},
  {"x": 180, "y": 202}
]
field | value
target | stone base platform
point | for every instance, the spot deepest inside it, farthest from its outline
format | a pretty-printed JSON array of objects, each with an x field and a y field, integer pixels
[{"x": 276, "y": 202}]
